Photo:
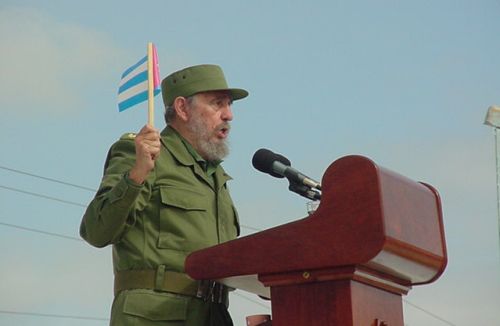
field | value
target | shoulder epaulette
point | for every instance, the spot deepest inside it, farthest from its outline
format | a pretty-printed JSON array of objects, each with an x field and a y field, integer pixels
[{"x": 128, "y": 136}]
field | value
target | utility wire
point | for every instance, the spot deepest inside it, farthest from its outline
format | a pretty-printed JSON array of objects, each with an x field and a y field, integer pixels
[
  {"x": 42, "y": 196},
  {"x": 46, "y": 178},
  {"x": 429, "y": 313},
  {"x": 77, "y": 204},
  {"x": 406, "y": 301},
  {"x": 67, "y": 184},
  {"x": 250, "y": 228},
  {"x": 40, "y": 231},
  {"x": 25, "y": 313}
]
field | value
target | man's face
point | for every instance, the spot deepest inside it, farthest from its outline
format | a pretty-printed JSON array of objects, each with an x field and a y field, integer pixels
[{"x": 210, "y": 114}]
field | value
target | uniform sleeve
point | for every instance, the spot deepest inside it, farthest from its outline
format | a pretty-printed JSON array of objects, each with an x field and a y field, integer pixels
[{"x": 113, "y": 210}]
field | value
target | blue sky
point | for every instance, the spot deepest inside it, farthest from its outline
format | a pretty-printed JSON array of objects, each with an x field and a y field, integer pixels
[{"x": 404, "y": 83}]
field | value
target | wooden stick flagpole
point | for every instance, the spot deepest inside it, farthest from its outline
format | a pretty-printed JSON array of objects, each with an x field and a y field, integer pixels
[{"x": 151, "y": 104}]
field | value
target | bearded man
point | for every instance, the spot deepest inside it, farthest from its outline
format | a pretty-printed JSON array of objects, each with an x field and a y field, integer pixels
[{"x": 163, "y": 196}]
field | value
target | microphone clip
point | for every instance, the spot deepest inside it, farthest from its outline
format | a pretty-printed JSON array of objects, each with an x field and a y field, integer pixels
[{"x": 304, "y": 191}]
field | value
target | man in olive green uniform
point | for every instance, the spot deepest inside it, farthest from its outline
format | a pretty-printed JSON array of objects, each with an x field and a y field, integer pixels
[{"x": 163, "y": 196}]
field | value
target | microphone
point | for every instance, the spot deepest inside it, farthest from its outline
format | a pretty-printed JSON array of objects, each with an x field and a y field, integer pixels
[
  {"x": 279, "y": 166},
  {"x": 274, "y": 164}
]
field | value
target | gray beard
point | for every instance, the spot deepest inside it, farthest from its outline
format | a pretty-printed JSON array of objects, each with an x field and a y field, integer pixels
[{"x": 208, "y": 150}]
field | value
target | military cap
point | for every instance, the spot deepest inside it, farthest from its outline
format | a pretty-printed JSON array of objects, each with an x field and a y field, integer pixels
[{"x": 197, "y": 79}]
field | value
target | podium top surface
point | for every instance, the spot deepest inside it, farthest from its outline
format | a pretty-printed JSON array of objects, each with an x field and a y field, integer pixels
[{"x": 368, "y": 216}]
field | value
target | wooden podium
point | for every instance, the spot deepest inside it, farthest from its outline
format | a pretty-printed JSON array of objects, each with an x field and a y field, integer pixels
[{"x": 373, "y": 236}]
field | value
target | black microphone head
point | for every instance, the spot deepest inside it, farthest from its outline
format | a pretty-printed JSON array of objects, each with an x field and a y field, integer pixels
[{"x": 263, "y": 160}]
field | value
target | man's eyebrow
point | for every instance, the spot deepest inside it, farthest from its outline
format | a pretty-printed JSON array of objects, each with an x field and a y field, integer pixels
[{"x": 223, "y": 97}]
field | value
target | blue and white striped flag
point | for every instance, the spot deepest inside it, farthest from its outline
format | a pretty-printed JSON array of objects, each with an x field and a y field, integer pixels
[{"x": 134, "y": 83}]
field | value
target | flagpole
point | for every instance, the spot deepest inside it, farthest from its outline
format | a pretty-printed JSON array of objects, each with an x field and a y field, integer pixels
[{"x": 151, "y": 108}]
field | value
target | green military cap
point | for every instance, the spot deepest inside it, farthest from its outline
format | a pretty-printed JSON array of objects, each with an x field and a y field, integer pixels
[{"x": 197, "y": 79}]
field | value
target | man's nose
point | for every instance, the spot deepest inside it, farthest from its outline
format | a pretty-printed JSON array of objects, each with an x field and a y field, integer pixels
[{"x": 227, "y": 113}]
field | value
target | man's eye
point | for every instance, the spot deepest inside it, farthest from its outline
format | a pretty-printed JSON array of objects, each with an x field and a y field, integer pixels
[{"x": 219, "y": 104}]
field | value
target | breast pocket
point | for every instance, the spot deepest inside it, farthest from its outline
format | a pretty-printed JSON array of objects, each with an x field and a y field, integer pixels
[{"x": 185, "y": 221}]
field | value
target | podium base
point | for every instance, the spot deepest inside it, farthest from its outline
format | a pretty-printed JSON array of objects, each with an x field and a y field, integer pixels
[{"x": 335, "y": 303}]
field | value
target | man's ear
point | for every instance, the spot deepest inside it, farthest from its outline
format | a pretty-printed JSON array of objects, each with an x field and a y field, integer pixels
[{"x": 181, "y": 108}]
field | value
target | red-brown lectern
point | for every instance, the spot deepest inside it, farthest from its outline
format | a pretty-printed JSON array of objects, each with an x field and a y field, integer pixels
[{"x": 374, "y": 235}]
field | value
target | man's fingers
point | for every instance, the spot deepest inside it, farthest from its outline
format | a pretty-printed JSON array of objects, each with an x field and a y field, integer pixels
[
  {"x": 147, "y": 138},
  {"x": 151, "y": 147},
  {"x": 148, "y": 131},
  {"x": 152, "y": 143}
]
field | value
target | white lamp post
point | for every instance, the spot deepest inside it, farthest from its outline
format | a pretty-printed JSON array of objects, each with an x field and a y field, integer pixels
[{"x": 493, "y": 120}]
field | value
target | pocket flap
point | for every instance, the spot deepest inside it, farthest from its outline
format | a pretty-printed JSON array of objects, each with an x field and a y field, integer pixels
[
  {"x": 183, "y": 198},
  {"x": 152, "y": 306}
]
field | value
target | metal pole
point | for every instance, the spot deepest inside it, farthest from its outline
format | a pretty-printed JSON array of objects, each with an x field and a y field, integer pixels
[
  {"x": 493, "y": 120},
  {"x": 497, "y": 153}
]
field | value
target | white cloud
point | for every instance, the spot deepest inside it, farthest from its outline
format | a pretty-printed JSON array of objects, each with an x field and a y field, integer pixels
[{"x": 46, "y": 63}]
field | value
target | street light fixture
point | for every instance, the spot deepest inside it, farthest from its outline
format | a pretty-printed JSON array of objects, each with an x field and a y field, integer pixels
[{"x": 493, "y": 116}]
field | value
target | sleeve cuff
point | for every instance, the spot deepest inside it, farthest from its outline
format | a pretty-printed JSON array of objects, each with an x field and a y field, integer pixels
[
  {"x": 125, "y": 189},
  {"x": 132, "y": 183}
]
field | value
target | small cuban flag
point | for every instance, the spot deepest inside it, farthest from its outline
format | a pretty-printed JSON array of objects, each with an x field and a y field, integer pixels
[{"x": 140, "y": 82}]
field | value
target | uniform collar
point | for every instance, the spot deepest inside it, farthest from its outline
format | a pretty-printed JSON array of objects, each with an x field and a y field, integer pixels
[
  {"x": 171, "y": 139},
  {"x": 208, "y": 166}
]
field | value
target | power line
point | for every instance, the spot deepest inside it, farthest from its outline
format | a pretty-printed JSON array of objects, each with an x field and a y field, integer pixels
[
  {"x": 67, "y": 184},
  {"x": 406, "y": 301},
  {"x": 250, "y": 228},
  {"x": 37, "y": 314},
  {"x": 42, "y": 196},
  {"x": 46, "y": 178},
  {"x": 40, "y": 231},
  {"x": 26, "y": 313},
  {"x": 429, "y": 313},
  {"x": 75, "y": 203}
]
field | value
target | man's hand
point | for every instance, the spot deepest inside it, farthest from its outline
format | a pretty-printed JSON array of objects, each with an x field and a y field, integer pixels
[{"x": 147, "y": 150}]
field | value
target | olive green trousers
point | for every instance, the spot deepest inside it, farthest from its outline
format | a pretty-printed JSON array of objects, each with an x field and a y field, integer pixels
[{"x": 143, "y": 307}]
